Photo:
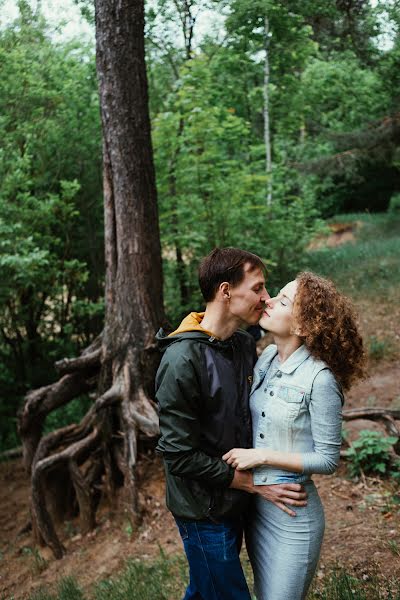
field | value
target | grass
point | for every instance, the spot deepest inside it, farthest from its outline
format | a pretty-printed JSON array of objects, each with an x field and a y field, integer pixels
[
  {"x": 166, "y": 578},
  {"x": 339, "y": 585},
  {"x": 367, "y": 266},
  {"x": 368, "y": 270},
  {"x": 379, "y": 348},
  {"x": 161, "y": 579}
]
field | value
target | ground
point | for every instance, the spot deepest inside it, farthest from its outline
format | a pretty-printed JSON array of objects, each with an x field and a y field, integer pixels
[
  {"x": 363, "y": 517},
  {"x": 363, "y": 524}
]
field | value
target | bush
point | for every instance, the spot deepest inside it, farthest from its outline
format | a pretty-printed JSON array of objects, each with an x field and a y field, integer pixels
[
  {"x": 394, "y": 204},
  {"x": 370, "y": 453},
  {"x": 378, "y": 348}
]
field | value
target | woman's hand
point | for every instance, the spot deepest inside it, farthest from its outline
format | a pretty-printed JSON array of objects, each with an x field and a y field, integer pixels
[{"x": 242, "y": 458}]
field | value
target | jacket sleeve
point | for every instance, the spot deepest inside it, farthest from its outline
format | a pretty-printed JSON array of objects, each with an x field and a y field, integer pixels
[
  {"x": 326, "y": 425},
  {"x": 179, "y": 401}
]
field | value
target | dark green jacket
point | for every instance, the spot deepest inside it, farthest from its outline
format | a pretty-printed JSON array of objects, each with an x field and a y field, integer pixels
[{"x": 202, "y": 389}]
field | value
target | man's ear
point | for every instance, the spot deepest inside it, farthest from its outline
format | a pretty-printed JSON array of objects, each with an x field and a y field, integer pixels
[{"x": 225, "y": 290}]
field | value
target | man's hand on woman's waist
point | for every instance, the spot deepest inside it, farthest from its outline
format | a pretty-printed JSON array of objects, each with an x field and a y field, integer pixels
[{"x": 280, "y": 494}]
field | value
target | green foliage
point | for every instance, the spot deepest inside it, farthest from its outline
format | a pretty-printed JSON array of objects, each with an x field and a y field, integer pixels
[
  {"x": 333, "y": 97},
  {"x": 67, "y": 589},
  {"x": 329, "y": 102},
  {"x": 367, "y": 266},
  {"x": 394, "y": 204},
  {"x": 164, "y": 579},
  {"x": 50, "y": 207},
  {"x": 67, "y": 414},
  {"x": 212, "y": 190},
  {"x": 394, "y": 547},
  {"x": 141, "y": 580},
  {"x": 378, "y": 348},
  {"x": 370, "y": 454}
]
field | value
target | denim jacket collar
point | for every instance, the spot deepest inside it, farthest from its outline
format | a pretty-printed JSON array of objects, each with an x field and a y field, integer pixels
[
  {"x": 288, "y": 367},
  {"x": 295, "y": 360}
]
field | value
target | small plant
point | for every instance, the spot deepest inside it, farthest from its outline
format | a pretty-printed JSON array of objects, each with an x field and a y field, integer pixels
[
  {"x": 394, "y": 204},
  {"x": 68, "y": 589},
  {"x": 378, "y": 348},
  {"x": 128, "y": 529},
  {"x": 370, "y": 453},
  {"x": 39, "y": 564},
  {"x": 70, "y": 529},
  {"x": 42, "y": 594},
  {"x": 394, "y": 547}
]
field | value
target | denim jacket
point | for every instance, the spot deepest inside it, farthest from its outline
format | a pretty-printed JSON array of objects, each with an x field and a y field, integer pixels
[{"x": 297, "y": 408}]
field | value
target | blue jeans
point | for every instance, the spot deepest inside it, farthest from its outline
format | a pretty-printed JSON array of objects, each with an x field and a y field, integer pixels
[{"x": 212, "y": 550}]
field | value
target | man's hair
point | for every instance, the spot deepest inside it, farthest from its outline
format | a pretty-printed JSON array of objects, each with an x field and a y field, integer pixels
[{"x": 225, "y": 264}]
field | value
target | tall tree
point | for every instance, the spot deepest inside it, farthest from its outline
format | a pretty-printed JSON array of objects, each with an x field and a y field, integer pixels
[
  {"x": 267, "y": 137},
  {"x": 69, "y": 465}
]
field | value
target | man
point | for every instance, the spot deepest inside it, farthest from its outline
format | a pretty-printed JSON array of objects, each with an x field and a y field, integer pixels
[{"x": 203, "y": 385}]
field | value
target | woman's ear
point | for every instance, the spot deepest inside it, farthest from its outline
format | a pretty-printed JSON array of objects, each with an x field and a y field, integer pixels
[{"x": 297, "y": 329}]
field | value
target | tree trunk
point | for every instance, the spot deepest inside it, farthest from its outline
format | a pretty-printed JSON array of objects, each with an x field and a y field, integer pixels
[
  {"x": 101, "y": 451},
  {"x": 267, "y": 136}
]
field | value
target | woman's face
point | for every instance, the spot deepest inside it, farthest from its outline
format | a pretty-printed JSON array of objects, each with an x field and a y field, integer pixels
[{"x": 278, "y": 314}]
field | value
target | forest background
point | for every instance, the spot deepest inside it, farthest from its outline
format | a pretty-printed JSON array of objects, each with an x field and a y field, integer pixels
[
  {"x": 275, "y": 127},
  {"x": 325, "y": 75}
]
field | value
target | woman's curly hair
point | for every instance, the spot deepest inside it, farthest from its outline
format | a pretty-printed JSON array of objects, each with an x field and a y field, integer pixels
[{"x": 327, "y": 323}]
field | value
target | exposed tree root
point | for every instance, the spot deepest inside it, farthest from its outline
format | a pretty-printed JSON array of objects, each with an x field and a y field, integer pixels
[
  {"x": 90, "y": 358},
  {"x": 83, "y": 460},
  {"x": 12, "y": 453},
  {"x": 386, "y": 415}
]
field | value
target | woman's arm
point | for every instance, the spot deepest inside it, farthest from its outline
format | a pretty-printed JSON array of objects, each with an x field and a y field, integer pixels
[
  {"x": 242, "y": 458},
  {"x": 326, "y": 426}
]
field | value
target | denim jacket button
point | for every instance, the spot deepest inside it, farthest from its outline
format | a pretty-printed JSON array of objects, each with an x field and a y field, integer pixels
[
  {"x": 262, "y": 436},
  {"x": 263, "y": 414},
  {"x": 271, "y": 393},
  {"x": 279, "y": 374}
]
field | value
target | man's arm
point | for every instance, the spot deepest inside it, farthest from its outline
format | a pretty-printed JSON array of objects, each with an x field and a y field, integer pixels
[
  {"x": 179, "y": 399},
  {"x": 280, "y": 494}
]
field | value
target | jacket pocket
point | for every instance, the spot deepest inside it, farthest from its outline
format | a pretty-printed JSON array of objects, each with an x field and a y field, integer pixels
[{"x": 291, "y": 398}]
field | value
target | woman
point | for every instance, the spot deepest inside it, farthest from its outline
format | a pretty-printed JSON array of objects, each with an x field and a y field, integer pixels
[{"x": 296, "y": 402}]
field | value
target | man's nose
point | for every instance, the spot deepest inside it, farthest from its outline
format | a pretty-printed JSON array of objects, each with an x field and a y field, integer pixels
[{"x": 265, "y": 296}]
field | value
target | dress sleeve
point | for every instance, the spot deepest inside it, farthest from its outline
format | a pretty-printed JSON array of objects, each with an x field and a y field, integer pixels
[{"x": 326, "y": 425}]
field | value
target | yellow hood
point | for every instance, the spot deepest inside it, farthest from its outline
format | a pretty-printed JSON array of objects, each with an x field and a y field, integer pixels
[{"x": 192, "y": 323}]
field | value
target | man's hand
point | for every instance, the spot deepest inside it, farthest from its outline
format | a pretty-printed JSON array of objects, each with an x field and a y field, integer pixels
[{"x": 280, "y": 494}]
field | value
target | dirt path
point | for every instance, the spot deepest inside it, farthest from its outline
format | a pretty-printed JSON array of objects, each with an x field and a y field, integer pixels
[{"x": 363, "y": 520}]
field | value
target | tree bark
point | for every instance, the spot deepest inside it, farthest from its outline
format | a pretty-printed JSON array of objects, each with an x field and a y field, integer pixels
[
  {"x": 267, "y": 135},
  {"x": 101, "y": 451}
]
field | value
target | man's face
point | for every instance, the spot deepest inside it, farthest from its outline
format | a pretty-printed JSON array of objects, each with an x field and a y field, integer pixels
[{"x": 248, "y": 298}]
